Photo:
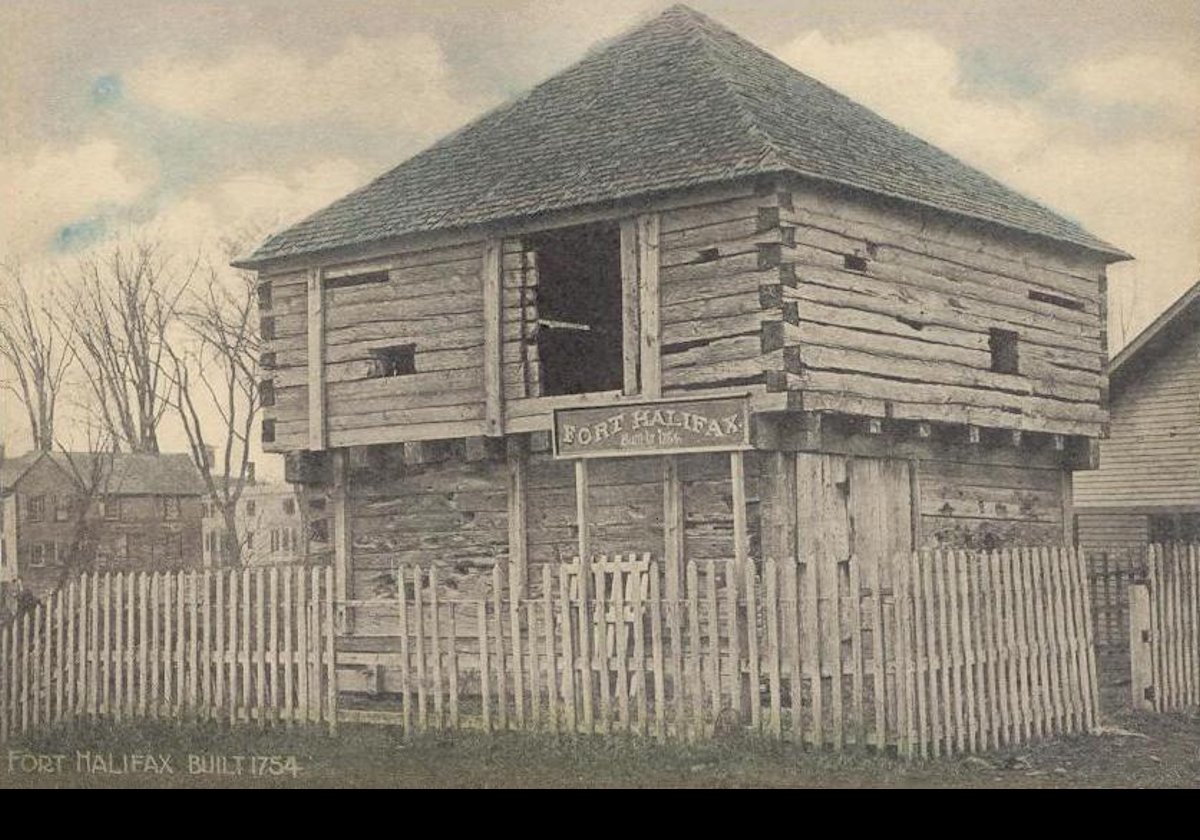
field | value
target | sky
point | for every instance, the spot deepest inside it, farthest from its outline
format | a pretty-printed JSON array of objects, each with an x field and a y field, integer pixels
[{"x": 193, "y": 119}]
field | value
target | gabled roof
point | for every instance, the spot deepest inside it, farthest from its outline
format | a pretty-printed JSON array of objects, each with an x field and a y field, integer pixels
[
  {"x": 11, "y": 469},
  {"x": 131, "y": 473},
  {"x": 678, "y": 102},
  {"x": 1179, "y": 315}
]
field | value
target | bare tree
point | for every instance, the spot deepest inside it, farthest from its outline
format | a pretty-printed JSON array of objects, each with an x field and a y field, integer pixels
[
  {"x": 90, "y": 472},
  {"x": 216, "y": 379},
  {"x": 123, "y": 311},
  {"x": 35, "y": 353}
]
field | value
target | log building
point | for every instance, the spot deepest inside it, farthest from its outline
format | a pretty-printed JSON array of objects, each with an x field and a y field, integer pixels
[{"x": 683, "y": 300}]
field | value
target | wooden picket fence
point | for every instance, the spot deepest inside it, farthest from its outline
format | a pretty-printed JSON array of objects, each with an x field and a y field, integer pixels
[
  {"x": 1165, "y": 630},
  {"x": 239, "y": 646},
  {"x": 941, "y": 653}
]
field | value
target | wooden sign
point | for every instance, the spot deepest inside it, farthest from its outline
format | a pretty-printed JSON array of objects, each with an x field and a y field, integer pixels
[{"x": 665, "y": 427}]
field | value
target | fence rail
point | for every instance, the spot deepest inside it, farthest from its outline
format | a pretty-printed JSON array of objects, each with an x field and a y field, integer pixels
[
  {"x": 1165, "y": 630},
  {"x": 958, "y": 653},
  {"x": 240, "y": 646}
]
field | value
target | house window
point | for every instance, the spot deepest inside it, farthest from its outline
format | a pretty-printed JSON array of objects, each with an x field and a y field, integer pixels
[
  {"x": 37, "y": 555},
  {"x": 268, "y": 431},
  {"x": 274, "y": 540},
  {"x": 289, "y": 507},
  {"x": 36, "y": 508},
  {"x": 266, "y": 393},
  {"x": 579, "y": 312},
  {"x": 1005, "y": 347},
  {"x": 250, "y": 540},
  {"x": 110, "y": 509},
  {"x": 387, "y": 362},
  {"x": 170, "y": 507},
  {"x": 251, "y": 507},
  {"x": 1170, "y": 528}
]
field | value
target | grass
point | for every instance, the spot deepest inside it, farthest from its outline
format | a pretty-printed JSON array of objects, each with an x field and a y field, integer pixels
[{"x": 1136, "y": 751}]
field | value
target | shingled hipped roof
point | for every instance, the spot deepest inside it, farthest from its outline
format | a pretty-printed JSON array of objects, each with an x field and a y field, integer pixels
[{"x": 678, "y": 102}]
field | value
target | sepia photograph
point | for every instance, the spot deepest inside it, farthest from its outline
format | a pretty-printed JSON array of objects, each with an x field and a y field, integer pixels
[{"x": 628, "y": 395}]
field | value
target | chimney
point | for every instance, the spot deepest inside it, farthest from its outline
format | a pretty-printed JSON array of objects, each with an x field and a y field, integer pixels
[{"x": 250, "y": 472}]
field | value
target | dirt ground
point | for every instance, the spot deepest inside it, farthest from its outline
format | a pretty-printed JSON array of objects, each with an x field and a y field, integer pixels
[{"x": 1144, "y": 751}]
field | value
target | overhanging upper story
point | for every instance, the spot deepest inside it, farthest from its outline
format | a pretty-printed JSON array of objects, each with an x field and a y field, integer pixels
[{"x": 680, "y": 214}]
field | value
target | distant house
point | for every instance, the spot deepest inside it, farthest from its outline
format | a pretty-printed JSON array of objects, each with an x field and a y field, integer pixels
[
  {"x": 270, "y": 525},
  {"x": 144, "y": 514},
  {"x": 1147, "y": 489}
]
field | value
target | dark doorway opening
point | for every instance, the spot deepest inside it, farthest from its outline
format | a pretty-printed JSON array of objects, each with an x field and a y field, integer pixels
[{"x": 579, "y": 309}]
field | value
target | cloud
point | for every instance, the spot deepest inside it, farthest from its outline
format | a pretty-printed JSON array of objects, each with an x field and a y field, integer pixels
[
  {"x": 917, "y": 82},
  {"x": 1134, "y": 187},
  {"x": 64, "y": 188},
  {"x": 402, "y": 82},
  {"x": 257, "y": 203},
  {"x": 1142, "y": 81}
]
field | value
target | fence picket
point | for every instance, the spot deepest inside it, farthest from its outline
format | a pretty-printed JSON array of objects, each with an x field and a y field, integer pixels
[
  {"x": 791, "y": 640},
  {"x": 419, "y": 631},
  {"x": 857, "y": 662},
  {"x": 553, "y": 709},
  {"x": 435, "y": 642},
  {"x": 501, "y": 654},
  {"x": 598, "y": 630},
  {"x": 619, "y": 630},
  {"x": 656, "y": 646},
  {"x": 771, "y": 603},
  {"x": 637, "y": 608},
  {"x": 485, "y": 676},
  {"x": 451, "y": 658},
  {"x": 405, "y": 656},
  {"x": 694, "y": 654},
  {"x": 752, "y": 649},
  {"x": 569, "y": 665}
]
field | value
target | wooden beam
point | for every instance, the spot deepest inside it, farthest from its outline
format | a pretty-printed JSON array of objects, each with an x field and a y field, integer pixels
[
  {"x": 631, "y": 317},
  {"x": 649, "y": 305},
  {"x": 518, "y": 531},
  {"x": 493, "y": 338},
  {"x": 582, "y": 508},
  {"x": 342, "y": 539},
  {"x": 316, "y": 361}
]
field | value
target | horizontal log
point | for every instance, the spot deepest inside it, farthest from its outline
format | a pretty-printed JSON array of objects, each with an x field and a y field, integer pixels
[
  {"x": 815, "y": 357},
  {"x": 679, "y": 221},
  {"x": 922, "y": 310},
  {"x": 932, "y": 229},
  {"x": 746, "y": 282},
  {"x": 457, "y": 283},
  {"x": 952, "y": 276}
]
